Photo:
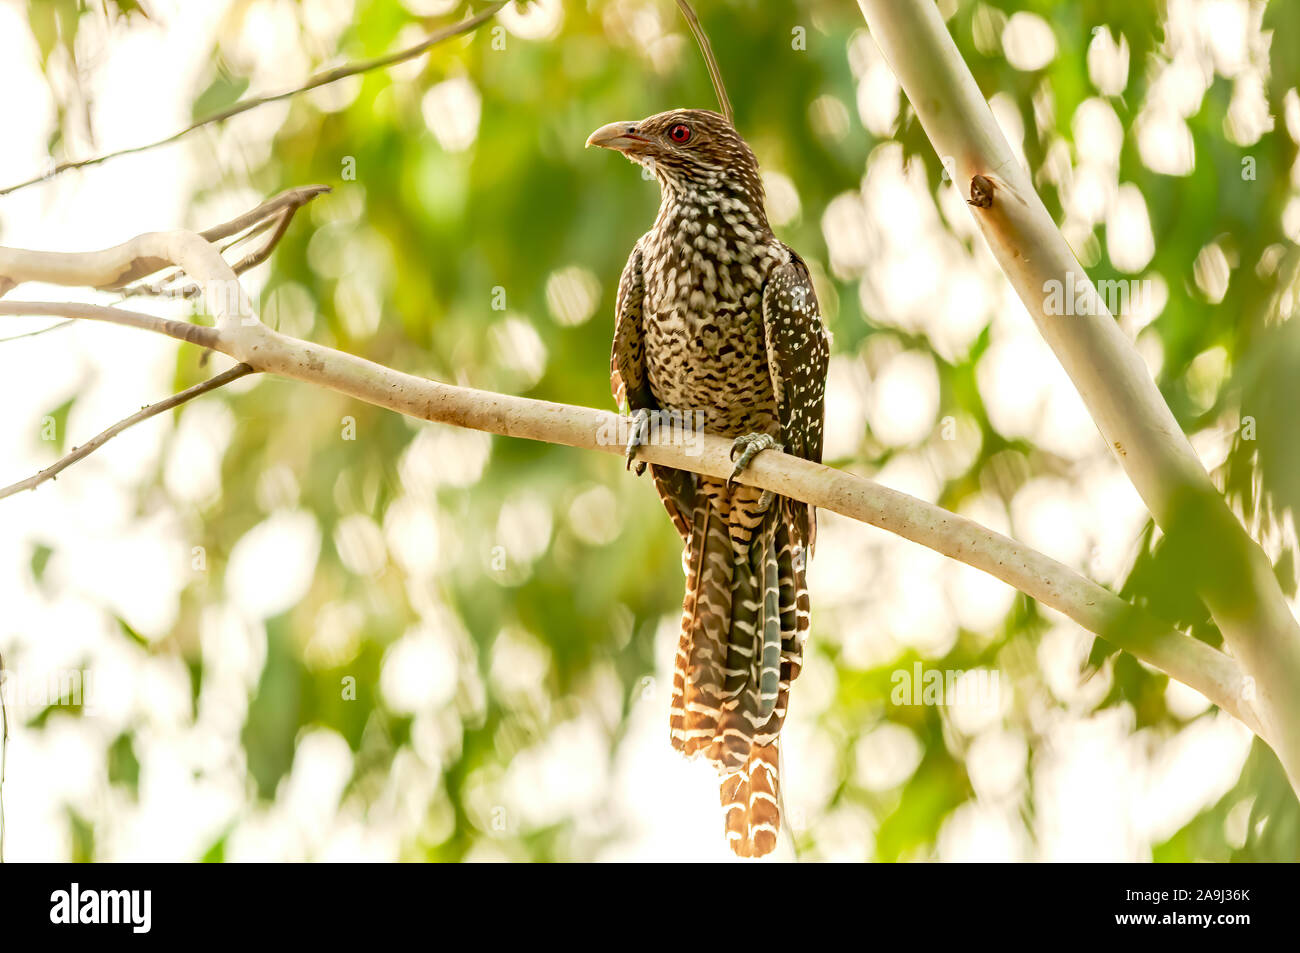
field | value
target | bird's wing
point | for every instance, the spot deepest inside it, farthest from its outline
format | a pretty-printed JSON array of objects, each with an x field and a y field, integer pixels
[
  {"x": 798, "y": 355},
  {"x": 631, "y": 388},
  {"x": 627, "y": 378}
]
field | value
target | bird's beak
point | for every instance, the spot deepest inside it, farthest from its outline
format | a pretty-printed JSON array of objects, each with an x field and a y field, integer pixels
[{"x": 619, "y": 136}]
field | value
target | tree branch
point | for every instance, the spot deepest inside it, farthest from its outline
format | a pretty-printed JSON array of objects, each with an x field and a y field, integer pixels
[
  {"x": 318, "y": 80},
  {"x": 250, "y": 342},
  {"x": 285, "y": 203},
  {"x": 181, "y": 330},
  {"x": 39, "y": 331},
  {"x": 1236, "y": 580},
  {"x": 276, "y": 213},
  {"x": 144, "y": 413},
  {"x": 114, "y": 267}
]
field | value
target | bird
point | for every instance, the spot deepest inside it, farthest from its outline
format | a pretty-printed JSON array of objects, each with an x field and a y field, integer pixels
[{"x": 717, "y": 321}]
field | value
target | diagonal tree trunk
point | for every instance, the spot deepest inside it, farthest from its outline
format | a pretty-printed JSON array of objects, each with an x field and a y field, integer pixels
[{"x": 1236, "y": 580}]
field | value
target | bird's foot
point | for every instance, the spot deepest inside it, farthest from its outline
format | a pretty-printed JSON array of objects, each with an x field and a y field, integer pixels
[
  {"x": 637, "y": 438},
  {"x": 748, "y": 446}
]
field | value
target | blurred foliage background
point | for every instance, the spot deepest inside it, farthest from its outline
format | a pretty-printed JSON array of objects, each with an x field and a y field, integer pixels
[{"x": 400, "y": 640}]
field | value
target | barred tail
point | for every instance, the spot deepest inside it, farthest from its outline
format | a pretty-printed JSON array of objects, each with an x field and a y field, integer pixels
[
  {"x": 751, "y": 803},
  {"x": 701, "y": 650},
  {"x": 744, "y": 621}
]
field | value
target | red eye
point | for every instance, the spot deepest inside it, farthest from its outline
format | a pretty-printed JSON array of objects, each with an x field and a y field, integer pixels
[{"x": 680, "y": 133}]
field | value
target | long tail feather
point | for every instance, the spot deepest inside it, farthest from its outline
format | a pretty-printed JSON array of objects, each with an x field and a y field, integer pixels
[
  {"x": 702, "y": 648},
  {"x": 769, "y": 674},
  {"x": 744, "y": 621},
  {"x": 751, "y": 803}
]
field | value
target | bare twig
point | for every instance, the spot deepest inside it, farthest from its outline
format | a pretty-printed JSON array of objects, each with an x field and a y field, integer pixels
[
  {"x": 31, "y": 334},
  {"x": 159, "y": 289},
  {"x": 320, "y": 79},
  {"x": 288, "y": 201},
  {"x": 181, "y": 330},
  {"x": 711, "y": 61},
  {"x": 277, "y": 211},
  {"x": 253, "y": 259},
  {"x": 144, "y": 413}
]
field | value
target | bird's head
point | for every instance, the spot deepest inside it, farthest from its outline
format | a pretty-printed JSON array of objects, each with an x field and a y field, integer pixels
[{"x": 689, "y": 151}]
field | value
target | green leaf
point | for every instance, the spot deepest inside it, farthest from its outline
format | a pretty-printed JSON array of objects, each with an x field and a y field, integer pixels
[
  {"x": 40, "y": 558},
  {"x": 224, "y": 91},
  {"x": 216, "y": 854},
  {"x": 123, "y": 765},
  {"x": 54, "y": 425},
  {"x": 44, "y": 25},
  {"x": 274, "y": 711},
  {"x": 129, "y": 8},
  {"x": 131, "y": 633}
]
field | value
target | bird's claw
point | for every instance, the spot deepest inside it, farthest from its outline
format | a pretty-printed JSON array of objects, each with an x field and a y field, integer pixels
[
  {"x": 749, "y": 446},
  {"x": 637, "y": 438}
]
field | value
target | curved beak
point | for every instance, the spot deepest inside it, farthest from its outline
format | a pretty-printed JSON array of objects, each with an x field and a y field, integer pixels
[{"x": 619, "y": 136}]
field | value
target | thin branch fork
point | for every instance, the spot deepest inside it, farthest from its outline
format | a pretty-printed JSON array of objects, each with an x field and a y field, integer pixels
[
  {"x": 260, "y": 348},
  {"x": 273, "y": 215}
]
